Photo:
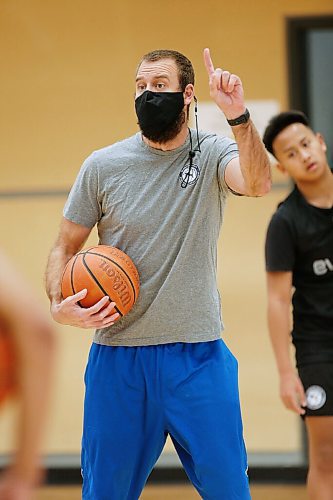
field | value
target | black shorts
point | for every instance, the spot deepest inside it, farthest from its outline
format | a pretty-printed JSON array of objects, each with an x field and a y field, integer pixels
[{"x": 317, "y": 380}]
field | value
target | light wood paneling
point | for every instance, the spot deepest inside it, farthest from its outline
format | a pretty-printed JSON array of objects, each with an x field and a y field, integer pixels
[{"x": 67, "y": 70}]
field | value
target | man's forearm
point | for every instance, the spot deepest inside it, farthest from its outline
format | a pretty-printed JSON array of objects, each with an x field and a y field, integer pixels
[
  {"x": 57, "y": 261},
  {"x": 253, "y": 158}
]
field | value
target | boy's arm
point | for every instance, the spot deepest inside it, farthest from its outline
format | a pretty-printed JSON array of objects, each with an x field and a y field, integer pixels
[{"x": 279, "y": 288}]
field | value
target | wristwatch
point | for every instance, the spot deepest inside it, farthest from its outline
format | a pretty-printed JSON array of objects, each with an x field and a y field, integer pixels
[{"x": 241, "y": 119}]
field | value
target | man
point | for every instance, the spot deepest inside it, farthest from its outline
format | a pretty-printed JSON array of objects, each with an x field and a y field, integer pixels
[
  {"x": 162, "y": 369},
  {"x": 299, "y": 255},
  {"x": 29, "y": 333}
]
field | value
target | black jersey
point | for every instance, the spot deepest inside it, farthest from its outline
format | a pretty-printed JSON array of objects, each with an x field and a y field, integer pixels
[{"x": 300, "y": 239}]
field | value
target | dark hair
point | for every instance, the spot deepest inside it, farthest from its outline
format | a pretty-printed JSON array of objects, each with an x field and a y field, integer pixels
[
  {"x": 184, "y": 65},
  {"x": 280, "y": 122}
]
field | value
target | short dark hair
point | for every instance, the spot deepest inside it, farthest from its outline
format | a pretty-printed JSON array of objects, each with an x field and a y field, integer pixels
[
  {"x": 184, "y": 65},
  {"x": 280, "y": 122}
]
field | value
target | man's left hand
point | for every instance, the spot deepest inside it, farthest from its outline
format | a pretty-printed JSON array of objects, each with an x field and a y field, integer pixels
[{"x": 225, "y": 88}]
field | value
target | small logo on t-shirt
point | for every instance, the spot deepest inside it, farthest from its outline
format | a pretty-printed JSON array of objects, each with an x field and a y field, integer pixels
[
  {"x": 315, "y": 397},
  {"x": 189, "y": 175},
  {"x": 322, "y": 266}
]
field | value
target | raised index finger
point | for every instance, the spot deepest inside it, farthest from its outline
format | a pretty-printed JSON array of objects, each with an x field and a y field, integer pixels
[{"x": 208, "y": 62}]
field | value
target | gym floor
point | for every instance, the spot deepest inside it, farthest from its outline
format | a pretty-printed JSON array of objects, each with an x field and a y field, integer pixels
[{"x": 179, "y": 492}]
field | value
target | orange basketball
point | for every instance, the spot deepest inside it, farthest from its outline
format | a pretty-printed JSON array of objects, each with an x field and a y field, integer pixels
[
  {"x": 7, "y": 366},
  {"x": 102, "y": 270}
]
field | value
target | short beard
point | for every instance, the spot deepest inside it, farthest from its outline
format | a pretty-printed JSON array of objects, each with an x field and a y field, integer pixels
[{"x": 167, "y": 135}]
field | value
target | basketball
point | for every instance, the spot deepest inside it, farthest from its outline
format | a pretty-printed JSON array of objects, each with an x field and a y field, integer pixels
[
  {"x": 7, "y": 366},
  {"x": 102, "y": 270}
]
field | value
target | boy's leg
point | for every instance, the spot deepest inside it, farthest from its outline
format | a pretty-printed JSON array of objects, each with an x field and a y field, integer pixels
[
  {"x": 317, "y": 380},
  {"x": 123, "y": 432},
  {"x": 204, "y": 419}
]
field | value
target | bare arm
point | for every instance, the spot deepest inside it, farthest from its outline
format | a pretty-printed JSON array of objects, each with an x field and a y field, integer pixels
[
  {"x": 250, "y": 174},
  {"x": 279, "y": 286},
  {"x": 29, "y": 330},
  {"x": 70, "y": 240}
]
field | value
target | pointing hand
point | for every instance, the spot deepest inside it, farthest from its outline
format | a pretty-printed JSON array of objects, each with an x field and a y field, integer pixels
[{"x": 225, "y": 88}]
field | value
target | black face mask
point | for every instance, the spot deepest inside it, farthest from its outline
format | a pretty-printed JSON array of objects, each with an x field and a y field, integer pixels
[{"x": 160, "y": 114}]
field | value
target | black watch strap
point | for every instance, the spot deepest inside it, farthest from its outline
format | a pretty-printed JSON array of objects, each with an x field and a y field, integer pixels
[{"x": 241, "y": 119}]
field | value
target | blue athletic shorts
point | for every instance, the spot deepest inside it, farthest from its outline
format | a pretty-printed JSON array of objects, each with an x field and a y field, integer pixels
[{"x": 137, "y": 396}]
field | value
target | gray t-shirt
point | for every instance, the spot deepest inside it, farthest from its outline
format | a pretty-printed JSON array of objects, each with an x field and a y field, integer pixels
[{"x": 167, "y": 219}]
